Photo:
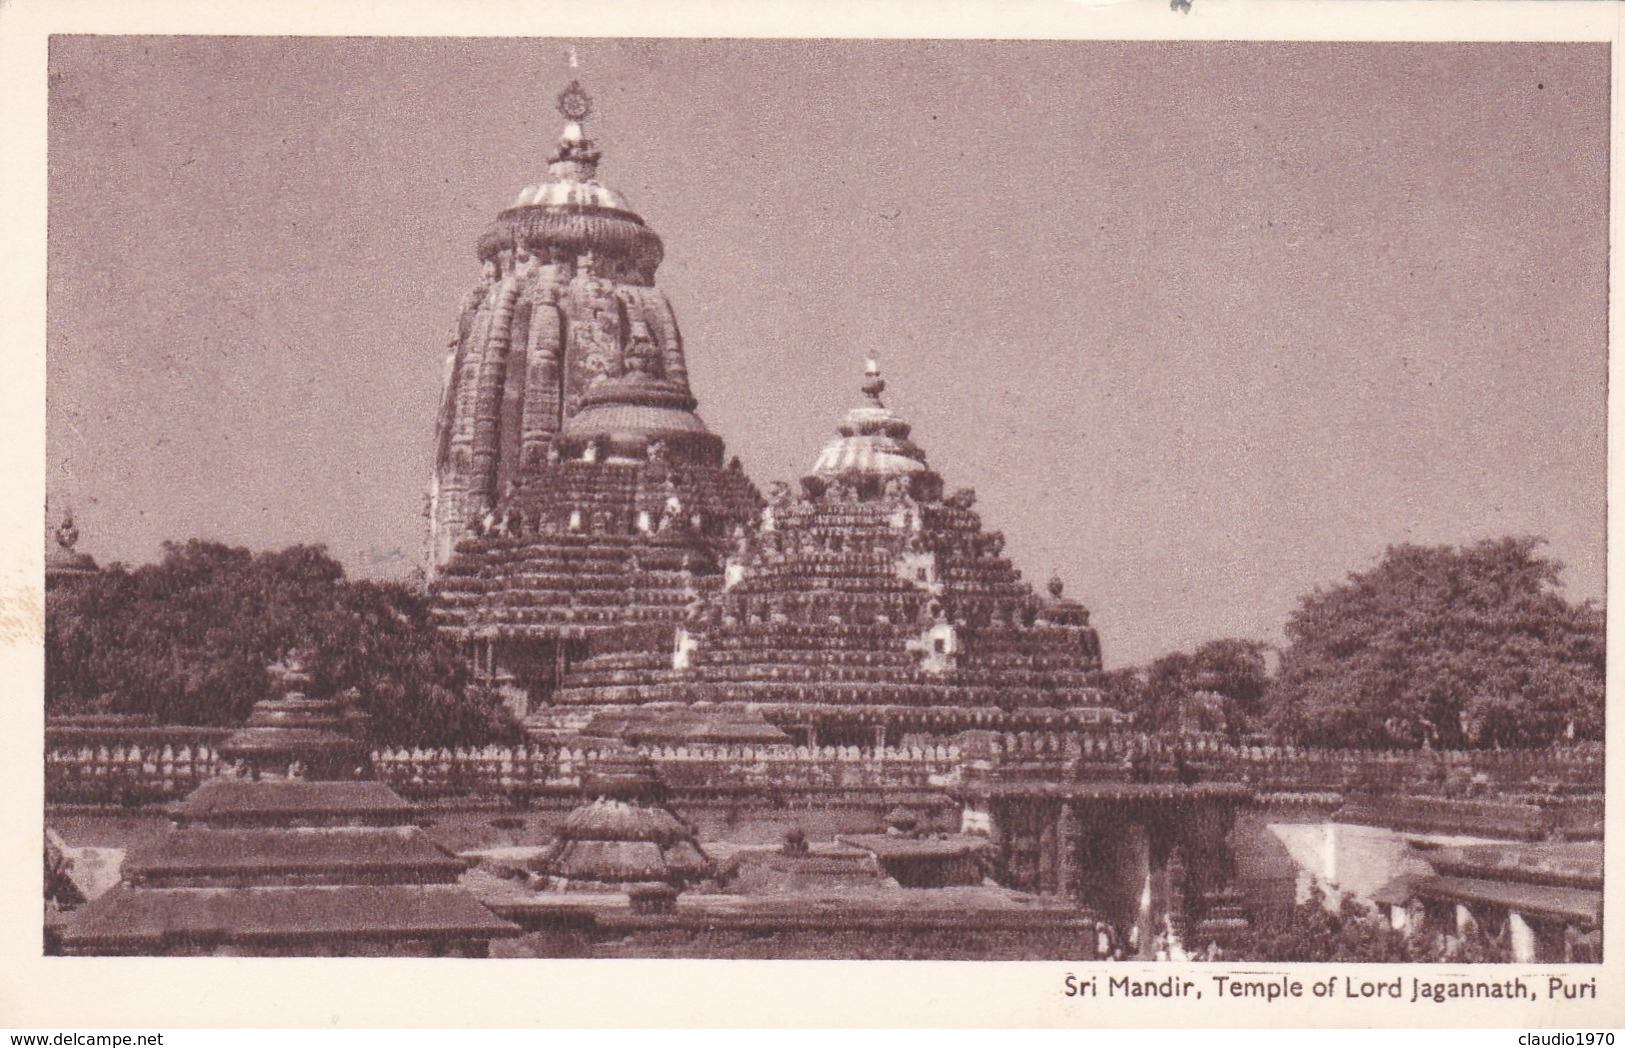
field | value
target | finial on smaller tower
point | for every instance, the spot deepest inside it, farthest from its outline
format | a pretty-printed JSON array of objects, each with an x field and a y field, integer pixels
[
  {"x": 1056, "y": 586},
  {"x": 67, "y": 533},
  {"x": 873, "y": 384},
  {"x": 64, "y": 563}
]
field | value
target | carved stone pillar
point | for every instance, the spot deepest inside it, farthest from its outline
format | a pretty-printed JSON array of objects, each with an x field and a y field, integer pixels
[
  {"x": 1048, "y": 848},
  {"x": 1066, "y": 842}
]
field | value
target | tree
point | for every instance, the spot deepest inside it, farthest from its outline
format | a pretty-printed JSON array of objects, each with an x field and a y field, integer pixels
[
  {"x": 1312, "y": 932},
  {"x": 1230, "y": 673},
  {"x": 188, "y": 640},
  {"x": 415, "y": 685},
  {"x": 1124, "y": 689},
  {"x": 1233, "y": 670},
  {"x": 1444, "y": 647}
]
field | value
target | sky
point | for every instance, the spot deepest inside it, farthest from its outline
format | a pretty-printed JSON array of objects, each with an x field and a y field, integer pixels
[{"x": 1205, "y": 325}]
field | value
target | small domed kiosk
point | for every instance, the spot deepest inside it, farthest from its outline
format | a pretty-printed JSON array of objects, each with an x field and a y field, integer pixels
[
  {"x": 625, "y": 840},
  {"x": 295, "y": 736}
]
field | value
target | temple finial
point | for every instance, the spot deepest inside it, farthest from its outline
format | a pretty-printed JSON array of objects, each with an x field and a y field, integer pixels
[
  {"x": 575, "y": 105},
  {"x": 67, "y": 533},
  {"x": 873, "y": 384}
]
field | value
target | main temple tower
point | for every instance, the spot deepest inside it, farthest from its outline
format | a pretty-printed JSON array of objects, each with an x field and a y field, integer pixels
[
  {"x": 564, "y": 350},
  {"x": 574, "y": 489}
]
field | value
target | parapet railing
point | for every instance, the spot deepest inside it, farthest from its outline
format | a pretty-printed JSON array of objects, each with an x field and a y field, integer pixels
[
  {"x": 166, "y": 763},
  {"x": 706, "y": 768},
  {"x": 123, "y": 775}
]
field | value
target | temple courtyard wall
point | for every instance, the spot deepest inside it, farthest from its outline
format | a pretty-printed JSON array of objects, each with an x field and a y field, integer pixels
[
  {"x": 1279, "y": 855},
  {"x": 1515, "y": 794},
  {"x": 1091, "y": 818}
]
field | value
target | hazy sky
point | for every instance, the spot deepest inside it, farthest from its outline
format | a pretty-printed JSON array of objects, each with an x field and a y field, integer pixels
[{"x": 1205, "y": 325}]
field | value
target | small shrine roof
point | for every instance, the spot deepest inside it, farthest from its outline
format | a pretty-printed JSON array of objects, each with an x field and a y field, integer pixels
[
  {"x": 283, "y": 850},
  {"x": 609, "y": 819},
  {"x": 626, "y": 861},
  {"x": 132, "y": 918},
  {"x": 1539, "y": 900},
  {"x": 228, "y": 799},
  {"x": 890, "y": 846}
]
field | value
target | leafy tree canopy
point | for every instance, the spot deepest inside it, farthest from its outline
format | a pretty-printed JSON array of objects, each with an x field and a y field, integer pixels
[
  {"x": 188, "y": 640},
  {"x": 1444, "y": 647},
  {"x": 1220, "y": 685},
  {"x": 1312, "y": 932}
]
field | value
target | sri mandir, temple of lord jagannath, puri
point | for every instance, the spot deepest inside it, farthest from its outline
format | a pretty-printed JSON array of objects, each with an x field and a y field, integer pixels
[{"x": 831, "y": 720}]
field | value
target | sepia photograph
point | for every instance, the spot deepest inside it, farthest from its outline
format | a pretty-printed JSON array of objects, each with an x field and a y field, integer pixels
[{"x": 1122, "y": 502}]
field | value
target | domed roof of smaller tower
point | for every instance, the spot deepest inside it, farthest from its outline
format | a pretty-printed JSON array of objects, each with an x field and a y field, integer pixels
[{"x": 873, "y": 441}]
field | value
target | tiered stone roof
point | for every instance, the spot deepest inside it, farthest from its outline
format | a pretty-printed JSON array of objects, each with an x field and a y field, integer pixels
[
  {"x": 870, "y": 589},
  {"x": 295, "y": 731},
  {"x": 288, "y": 865},
  {"x": 624, "y": 838},
  {"x": 1549, "y": 881},
  {"x": 379, "y": 919},
  {"x": 594, "y": 546}
]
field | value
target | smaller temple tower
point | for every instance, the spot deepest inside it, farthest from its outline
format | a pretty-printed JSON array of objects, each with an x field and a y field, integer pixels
[
  {"x": 866, "y": 608},
  {"x": 301, "y": 853},
  {"x": 65, "y": 565},
  {"x": 293, "y": 734}
]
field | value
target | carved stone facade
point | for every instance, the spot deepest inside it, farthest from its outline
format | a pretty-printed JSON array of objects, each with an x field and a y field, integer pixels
[
  {"x": 565, "y": 351},
  {"x": 593, "y": 551},
  {"x": 575, "y": 489},
  {"x": 865, "y": 608}
]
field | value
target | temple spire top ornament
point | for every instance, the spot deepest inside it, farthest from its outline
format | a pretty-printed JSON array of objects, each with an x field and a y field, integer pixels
[
  {"x": 67, "y": 533},
  {"x": 576, "y": 154},
  {"x": 873, "y": 384},
  {"x": 66, "y": 563},
  {"x": 574, "y": 103},
  {"x": 874, "y": 439}
]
